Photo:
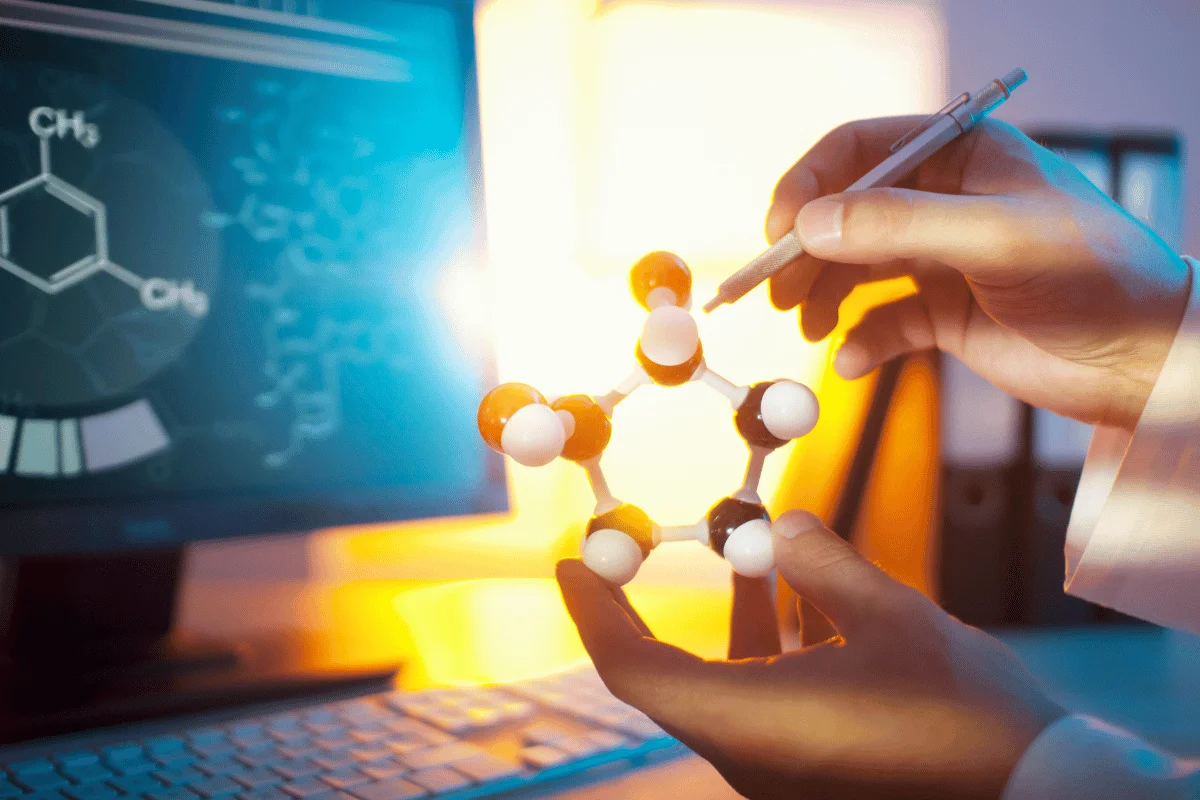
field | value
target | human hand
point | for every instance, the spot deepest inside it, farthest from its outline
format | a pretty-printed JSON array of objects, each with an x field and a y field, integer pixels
[
  {"x": 1025, "y": 271},
  {"x": 908, "y": 702}
]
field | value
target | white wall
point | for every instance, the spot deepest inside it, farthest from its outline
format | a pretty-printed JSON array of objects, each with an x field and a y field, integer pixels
[{"x": 1105, "y": 63}]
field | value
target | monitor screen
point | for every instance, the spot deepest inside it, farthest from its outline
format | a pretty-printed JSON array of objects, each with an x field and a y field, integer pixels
[{"x": 226, "y": 235}]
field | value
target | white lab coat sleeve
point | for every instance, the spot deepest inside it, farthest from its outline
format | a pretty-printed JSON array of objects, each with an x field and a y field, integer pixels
[
  {"x": 1133, "y": 542},
  {"x": 1080, "y": 758}
]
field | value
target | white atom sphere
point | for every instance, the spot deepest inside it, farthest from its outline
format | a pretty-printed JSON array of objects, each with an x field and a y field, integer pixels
[
  {"x": 533, "y": 435},
  {"x": 670, "y": 336},
  {"x": 568, "y": 422},
  {"x": 789, "y": 409},
  {"x": 750, "y": 550},
  {"x": 661, "y": 296},
  {"x": 612, "y": 555}
]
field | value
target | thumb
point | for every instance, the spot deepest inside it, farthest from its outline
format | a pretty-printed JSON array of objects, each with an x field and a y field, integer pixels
[
  {"x": 827, "y": 571},
  {"x": 971, "y": 234}
]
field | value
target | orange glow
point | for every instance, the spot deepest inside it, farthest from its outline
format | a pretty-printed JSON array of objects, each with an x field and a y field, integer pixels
[
  {"x": 614, "y": 129},
  {"x": 897, "y": 526},
  {"x": 496, "y": 631}
]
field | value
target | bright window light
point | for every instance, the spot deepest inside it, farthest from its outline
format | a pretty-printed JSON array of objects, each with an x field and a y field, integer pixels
[{"x": 614, "y": 129}]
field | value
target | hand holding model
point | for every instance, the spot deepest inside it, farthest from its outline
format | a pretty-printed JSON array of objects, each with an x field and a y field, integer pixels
[
  {"x": 515, "y": 419},
  {"x": 909, "y": 702},
  {"x": 1025, "y": 271},
  {"x": 1037, "y": 281}
]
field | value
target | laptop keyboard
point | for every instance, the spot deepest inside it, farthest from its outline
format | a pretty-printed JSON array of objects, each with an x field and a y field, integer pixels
[{"x": 443, "y": 743}]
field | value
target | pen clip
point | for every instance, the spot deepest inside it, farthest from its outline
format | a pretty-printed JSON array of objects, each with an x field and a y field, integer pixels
[{"x": 924, "y": 124}]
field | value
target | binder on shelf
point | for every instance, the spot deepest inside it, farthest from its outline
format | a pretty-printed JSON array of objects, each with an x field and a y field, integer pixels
[
  {"x": 1143, "y": 172},
  {"x": 983, "y": 457}
]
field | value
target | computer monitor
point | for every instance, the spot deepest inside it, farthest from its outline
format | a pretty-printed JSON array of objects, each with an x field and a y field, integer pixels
[{"x": 227, "y": 240}]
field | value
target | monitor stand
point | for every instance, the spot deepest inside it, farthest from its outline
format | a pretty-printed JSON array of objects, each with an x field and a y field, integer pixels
[{"x": 88, "y": 642}]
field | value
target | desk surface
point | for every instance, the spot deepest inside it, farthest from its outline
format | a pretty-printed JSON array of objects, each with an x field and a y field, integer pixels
[{"x": 1141, "y": 678}]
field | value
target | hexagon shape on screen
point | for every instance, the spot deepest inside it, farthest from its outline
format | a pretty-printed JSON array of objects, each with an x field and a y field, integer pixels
[{"x": 52, "y": 235}]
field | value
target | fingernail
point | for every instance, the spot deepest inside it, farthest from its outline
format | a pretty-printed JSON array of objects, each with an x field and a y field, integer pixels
[
  {"x": 819, "y": 225},
  {"x": 791, "y": 523}
]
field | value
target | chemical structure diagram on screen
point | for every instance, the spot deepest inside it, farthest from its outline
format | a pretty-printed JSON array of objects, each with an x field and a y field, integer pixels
[
  {"x": 48, "y": 204},
  {"x": 302, "y": 191},
  {"x": 518, "y": 421}
]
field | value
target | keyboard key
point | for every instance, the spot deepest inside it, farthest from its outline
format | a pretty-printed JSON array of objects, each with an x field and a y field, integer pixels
[
  {"x": 8, "y": 789},
  {"x": 283, "y": 722},
  {"x": 578, "y": 746},
  {"x": 543, "y": 733},
  {"x": 394, "y": 789},
  {"x": 440, "y": 756},
  {"x": 383, "y": 769},
  {"x": 485, "y": 717},
  {"x": 91, "y": 791},
  {"x": 247, "y": 730},
  {"x": 157, "y": 745},
  {"x": 439, "y": 780},
  {"x": 515, "y": 710},
  {"x": 174, "y": 758},
  {"x": 135, "y": 784},
  {"x": 309, "y": 787},
  {"x": 40, "y": 781},
  {"x": 258, "y": 778},
  {"x": 173, "y": 793},
  {"x": 327, "y": 728},
  {"x": 487, "y": 767},
  {"x": 334, "y": 761},
  {"x": 80, "y": 758},
  {"x": 31, "y": 766},
  {"x": 345, "y": 779},
  {"x": 216, "y": 787},
  {"x": 180, "y": 776},
  {"x": 606, "y": 740},
  {"x": 543, "y": 756},
  {"x": 296, "y": 768},
  {"x": 451, "y": 721},
  {"x": 412, "y": 728},
  {"x": 362, "y": 713},
  {"x": 136, "y": 766},
  {"x": 298, "y": 751},
  {"x": 364, "y": 754},
  {"x": 403, "y": 744},
  {"x": 334, "y": 743},
  {"x": 86, "y": 773},
  {"x": 322, "y": 715},
  {"x": 214, "y": 747},
  {"x": 121, "y": 753},
  {"x": 366, "y": 736},
  {"x": 210, "y": 734},
  {"x": 640, "y": 726},
  {"x": 265, "y": 793},
  {"x": 49, "y": 794},
  {"x": 221, "y": 765},
  {"x": 261, "y": 757}
]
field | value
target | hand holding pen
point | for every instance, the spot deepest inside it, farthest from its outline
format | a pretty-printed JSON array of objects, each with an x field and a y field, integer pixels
[
  {"x": 1024, "y": 270},
  {"x": 906, "y": 153}
]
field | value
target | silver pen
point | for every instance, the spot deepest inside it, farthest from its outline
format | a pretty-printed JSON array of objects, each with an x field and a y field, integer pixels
[{"x": 930, "y": 135}]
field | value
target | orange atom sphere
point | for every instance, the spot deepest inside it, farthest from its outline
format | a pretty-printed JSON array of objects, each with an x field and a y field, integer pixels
[
  {"x": 592, "y": 428},
  {"x": 660, "y": 270},
  {"x": 498, "y": 406}
]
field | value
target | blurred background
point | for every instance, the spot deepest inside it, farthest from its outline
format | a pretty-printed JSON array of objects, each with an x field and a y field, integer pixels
[{"x": 616, "y": 127}]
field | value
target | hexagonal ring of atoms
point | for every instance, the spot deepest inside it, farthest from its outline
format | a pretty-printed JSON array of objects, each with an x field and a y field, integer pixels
[{"x": 517, "y": 420}]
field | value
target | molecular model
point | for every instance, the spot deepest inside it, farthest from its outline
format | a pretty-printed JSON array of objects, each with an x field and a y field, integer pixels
[{"x": 515, "y": 419}]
